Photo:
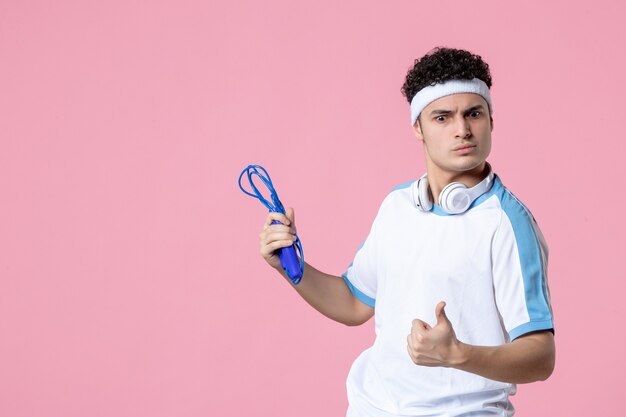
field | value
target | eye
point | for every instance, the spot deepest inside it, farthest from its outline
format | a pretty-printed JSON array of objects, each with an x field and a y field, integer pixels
[
  {"x": 475, "y": 114},
  {"x": 440, "y": 118}
]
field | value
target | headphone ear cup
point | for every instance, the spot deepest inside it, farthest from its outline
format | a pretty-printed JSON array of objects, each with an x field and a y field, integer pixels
[
  {"x": 424, "y": 202},
  {"x": 415, "y": 195},
  {"x": 454, "y": 198}
]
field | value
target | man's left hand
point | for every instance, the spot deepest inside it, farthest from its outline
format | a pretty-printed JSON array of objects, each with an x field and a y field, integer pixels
[{"x": 434, "y": 346}]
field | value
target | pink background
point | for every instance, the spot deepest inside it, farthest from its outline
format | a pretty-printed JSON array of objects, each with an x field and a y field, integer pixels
[{"x": 130, "y": 280}]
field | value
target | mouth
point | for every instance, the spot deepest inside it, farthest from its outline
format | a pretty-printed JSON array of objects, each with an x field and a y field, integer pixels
[{"x": 465, "y": 147}]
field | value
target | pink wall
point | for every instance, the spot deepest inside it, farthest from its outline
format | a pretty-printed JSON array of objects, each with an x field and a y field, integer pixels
[{"x": 130, "y": 280}]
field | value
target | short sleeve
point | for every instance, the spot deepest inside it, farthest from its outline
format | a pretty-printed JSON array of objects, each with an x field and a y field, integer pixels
[
  {"x": 361, "y": 273},
  {"x": 520, "y": 262}
]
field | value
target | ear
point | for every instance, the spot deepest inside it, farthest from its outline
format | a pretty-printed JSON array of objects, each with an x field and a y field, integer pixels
[
  {"x": 491, "y": 118},
  {"x": 417, "y": 131}
]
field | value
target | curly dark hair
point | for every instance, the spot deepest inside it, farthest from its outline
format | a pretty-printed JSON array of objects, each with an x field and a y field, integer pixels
[{"x": 441, "y": 65}]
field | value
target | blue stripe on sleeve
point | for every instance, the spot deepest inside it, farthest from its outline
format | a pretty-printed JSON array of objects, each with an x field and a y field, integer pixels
[
  {"x": 532, "y": 265},
  {"x": 532, "y": 326},
  {"x": 365, "y": 299}
]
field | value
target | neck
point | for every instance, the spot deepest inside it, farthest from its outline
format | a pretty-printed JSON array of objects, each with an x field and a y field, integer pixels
[{"x": 438, "y": 178}]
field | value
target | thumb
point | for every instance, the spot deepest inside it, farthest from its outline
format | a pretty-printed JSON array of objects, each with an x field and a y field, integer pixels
[
  {"x": 291, "y": 215},
  {"x": 441, "y": 314}
]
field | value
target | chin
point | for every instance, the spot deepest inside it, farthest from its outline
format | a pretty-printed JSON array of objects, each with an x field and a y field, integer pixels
[{"x": 469, "y": 165}]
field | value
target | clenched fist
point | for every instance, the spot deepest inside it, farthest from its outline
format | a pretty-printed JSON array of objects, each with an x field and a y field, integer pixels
[{"x": 276, "y": 236}]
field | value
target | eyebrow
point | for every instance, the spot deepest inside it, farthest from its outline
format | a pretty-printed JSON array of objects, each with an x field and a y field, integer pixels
[
  {"x": 435, "y": 112},
  {"x": 476, "y": 107},
  {"x": 443, "y": 111}
]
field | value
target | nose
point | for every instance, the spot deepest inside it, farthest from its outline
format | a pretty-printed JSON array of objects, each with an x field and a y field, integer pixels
[{"x": 463, "y": 128}]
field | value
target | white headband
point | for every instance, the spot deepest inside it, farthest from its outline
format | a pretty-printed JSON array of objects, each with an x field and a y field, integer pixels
[{"x": 433, "y": 92}]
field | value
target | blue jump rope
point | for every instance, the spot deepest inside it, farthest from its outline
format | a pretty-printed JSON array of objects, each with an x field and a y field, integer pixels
[{"x": 288, "y": 258}]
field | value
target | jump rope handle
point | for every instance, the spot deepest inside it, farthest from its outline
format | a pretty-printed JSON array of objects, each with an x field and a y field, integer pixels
[
  {"x": 289, "y": 260},
  {"x": 293, "y": 266}
]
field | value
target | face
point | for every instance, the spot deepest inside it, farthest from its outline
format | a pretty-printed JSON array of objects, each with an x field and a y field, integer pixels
[{"x": 456, "y": 132}]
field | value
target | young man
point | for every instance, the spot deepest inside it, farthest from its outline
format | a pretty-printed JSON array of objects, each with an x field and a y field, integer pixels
[{"x": 453, "y": 269}]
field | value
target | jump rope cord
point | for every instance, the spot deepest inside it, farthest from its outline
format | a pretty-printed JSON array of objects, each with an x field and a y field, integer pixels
[{"x": 275, "y": 205}]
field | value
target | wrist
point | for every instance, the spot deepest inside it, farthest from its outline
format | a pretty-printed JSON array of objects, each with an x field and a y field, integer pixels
[{"x": 461, "y": 354}]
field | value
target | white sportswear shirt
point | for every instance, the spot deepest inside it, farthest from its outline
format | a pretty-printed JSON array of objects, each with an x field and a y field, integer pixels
[{"x": 488, "y": 264}]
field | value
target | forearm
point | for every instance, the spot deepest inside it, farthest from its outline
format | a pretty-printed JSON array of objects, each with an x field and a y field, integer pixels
[
  {"x": 528, "y": 358},
  {"x": 330, "y": 295}
]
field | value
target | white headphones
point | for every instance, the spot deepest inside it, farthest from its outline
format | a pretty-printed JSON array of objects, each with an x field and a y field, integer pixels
[{"x": 455, "y": 198}]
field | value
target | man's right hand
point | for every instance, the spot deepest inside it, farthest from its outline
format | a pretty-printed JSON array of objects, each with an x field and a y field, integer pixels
[
  {"x": 276, "y": 236},
  {"x": 328, "y": 294}
]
